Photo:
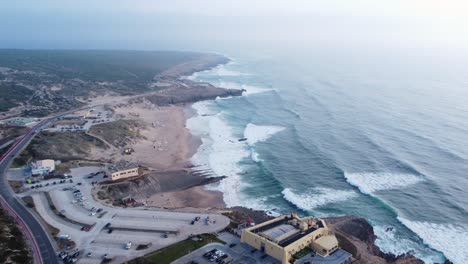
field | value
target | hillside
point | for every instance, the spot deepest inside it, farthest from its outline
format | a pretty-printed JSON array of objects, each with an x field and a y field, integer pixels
[{"x": 40, "y": 82}]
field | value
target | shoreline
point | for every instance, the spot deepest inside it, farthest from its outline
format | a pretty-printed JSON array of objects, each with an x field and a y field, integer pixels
[
  {"x": 167, "y": 145},
  {"x": 193, "y": 197}
]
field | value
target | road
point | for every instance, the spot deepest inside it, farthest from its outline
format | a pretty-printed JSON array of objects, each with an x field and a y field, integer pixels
[{"x": 43, "y": 250}]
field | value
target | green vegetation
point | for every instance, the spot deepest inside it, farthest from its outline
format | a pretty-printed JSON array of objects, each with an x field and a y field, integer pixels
[
  {"x": 13, "y": 248},
  {"x": 95, "y": 65},
  {"x": 11, "y": 131},
  {"x": 178, "y": 250},
  {"x": 12, "y": 95},
  {"x": 305, "y": 251},
  {"x": 63, "y": 75},
  {"x": 22, "y": 159},
  {"x": 63, "y": 146},
  {"x": 118, "y": 133}
]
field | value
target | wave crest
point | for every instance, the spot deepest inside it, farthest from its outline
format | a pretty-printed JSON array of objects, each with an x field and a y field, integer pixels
[
  {"x": 317, "y": 197},
  {"x": 369, "y": 183},
  {"x": 450, "y": 239},
  {"x": 256, "y": 133}
]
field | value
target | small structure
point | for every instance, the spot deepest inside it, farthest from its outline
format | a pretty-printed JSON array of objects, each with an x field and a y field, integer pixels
[
  {"x": 286, "y": 235},
  {"x": 122, "y": 170},
  {"x": 42, "y": 167}
]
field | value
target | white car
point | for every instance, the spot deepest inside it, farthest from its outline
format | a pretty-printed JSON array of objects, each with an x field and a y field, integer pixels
[{"x": 128, "y": 245}]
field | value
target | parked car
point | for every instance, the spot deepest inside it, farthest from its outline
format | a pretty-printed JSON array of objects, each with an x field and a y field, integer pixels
[
  {"x": 128, "y": 245},
  {"x": 62, "y": 255}
]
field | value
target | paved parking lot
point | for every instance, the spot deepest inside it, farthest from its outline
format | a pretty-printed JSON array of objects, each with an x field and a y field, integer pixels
[
  {"x": 138, "y": 225},
  {"x": 240, "y": 253},
  {"x": 101, "y": 115}
]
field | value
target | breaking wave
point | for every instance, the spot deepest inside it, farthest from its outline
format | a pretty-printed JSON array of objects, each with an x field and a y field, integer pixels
[
  {"x": 316, "y": 197},
  {"x": 389, "y": 241},
  {"x": 255, "y": 133},
  {"x": 369, "y": 183},
  {"x": 451, "y": 239},
  {"x": 220, "y": 151}
]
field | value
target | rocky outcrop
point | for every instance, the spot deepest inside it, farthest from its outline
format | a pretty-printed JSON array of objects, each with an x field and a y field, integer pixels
[
  {"x": 357, "y": 236},
  {"x": 157, "y": 182},
  {"x": 189, "y": 92}
]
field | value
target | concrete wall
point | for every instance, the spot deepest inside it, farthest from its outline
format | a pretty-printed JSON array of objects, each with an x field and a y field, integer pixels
[{"x": 271, "y": 248}]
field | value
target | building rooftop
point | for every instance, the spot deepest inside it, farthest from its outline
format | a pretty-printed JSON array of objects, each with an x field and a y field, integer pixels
[
  {"x": 287, "y": 230},
  {"x": 45, "y": 163},
  {"x": 280, "y": 232},
  {"x": 337, "y": 257},
  {"x": 122, "y": 165}
]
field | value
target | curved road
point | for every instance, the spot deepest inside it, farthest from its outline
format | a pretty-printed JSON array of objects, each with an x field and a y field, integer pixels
[{"x": 43, "y": 250}]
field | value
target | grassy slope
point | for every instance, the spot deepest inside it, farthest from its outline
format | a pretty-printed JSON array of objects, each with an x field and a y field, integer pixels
[
  {"x": 13, "y": 248},
  {"x": 173, "y": 252},
  {"x": 119, "y": 132},
  {"x": 11, "y": 95},
  {"x": 59, "y": 146}
]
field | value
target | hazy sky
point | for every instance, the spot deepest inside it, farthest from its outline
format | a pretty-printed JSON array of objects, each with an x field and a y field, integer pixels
[{"x": 222, "y": 25}]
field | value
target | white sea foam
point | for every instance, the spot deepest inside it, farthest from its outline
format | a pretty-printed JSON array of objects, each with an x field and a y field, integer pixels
[
  {"x": 221, "y": 152},
  {"x": 450, "y": 239},
  {"x": 391, "y": 242},
  {"x": 371, "y": 182},
  {"x": 224, "y": 71},
  {"x": 255, "y": 133},
  {"x": 220, "y": 71},
  {"x": 317, "y": 197}
]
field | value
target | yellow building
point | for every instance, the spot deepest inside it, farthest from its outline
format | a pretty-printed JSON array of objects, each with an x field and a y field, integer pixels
[
  {"x": 286, "y": 235},
  {"x": 122, "y": 170}
]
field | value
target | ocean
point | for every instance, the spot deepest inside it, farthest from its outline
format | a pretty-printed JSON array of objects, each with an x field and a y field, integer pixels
[{"x": 381, "y": 136}]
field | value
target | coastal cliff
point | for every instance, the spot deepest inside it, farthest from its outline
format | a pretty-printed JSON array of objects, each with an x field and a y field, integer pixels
[
  {"x": 186, "y": 91},
  {"x": 357, "y": 236}
]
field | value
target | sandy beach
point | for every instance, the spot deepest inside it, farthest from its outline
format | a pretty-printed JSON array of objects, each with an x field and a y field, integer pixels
[{"x": 165, "y": 145}]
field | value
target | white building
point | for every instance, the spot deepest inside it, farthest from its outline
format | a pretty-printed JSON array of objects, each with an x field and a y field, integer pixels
[
  {"x": 122, "y": 170},
  {"x": 42, "y": 167}
]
